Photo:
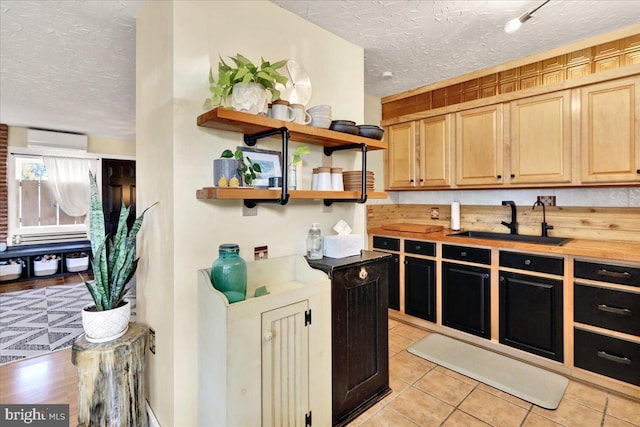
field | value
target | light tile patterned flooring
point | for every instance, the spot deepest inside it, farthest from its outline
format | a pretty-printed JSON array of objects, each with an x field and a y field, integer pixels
[{"x": 425, "y": 394}]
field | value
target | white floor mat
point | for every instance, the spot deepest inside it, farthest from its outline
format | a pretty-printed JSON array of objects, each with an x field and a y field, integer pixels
[{"x": 535, "y": 385}]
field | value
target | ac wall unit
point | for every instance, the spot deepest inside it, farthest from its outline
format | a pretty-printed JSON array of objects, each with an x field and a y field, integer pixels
[{"x": 50, "y": 139}]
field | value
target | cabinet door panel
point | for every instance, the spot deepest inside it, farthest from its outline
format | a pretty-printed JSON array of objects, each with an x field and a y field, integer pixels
[
  {"x": 611, "y": 132},
  {"x": 435, "y": 142},
  {"x": 401, "y": 155},
  {"x": 420, "y": 288},
  {"x": 531, "y": 314},
  {"x": 479, "y": 146},
  {"x": 541, "y": 139},
  {"x": 466, "y": 303}
]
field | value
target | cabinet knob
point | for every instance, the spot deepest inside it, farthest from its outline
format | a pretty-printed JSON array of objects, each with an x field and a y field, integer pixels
[
  {"x": 638, "y": 171},
  {"x": 410, "y": 180},
  {"x": 421, "y": 180},
  {"x": 502, "y": 278},
  {"x": 268, "y": 336},
  {"x": 513, "y": 175},
  {"x": 363, "y": 273},
  {"x": 463, "y": 253},
  {"x": 527, "y": 262},
  {"x": 418, "y": 247},
  {"x": 499, "y": 177}
]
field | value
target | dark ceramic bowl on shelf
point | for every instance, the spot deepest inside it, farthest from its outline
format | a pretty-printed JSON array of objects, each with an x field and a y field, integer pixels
[
  {"x": 371, "y": 131},
  {"x": 344, "y": 126}
]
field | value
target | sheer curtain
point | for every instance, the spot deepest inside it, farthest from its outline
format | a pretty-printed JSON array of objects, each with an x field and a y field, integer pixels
[{"x": 70, "y": 179}]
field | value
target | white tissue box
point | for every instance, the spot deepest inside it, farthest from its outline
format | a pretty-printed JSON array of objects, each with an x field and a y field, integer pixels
[{"x": 342, "y": 246}]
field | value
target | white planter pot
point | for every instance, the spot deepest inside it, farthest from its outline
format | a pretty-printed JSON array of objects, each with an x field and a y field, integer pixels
[
  {"x": 45, "y": 268},
  {"x": 103, "y": 326},
  {"x": 250, "y": 97},
  {"x": 77, "y": 264}
]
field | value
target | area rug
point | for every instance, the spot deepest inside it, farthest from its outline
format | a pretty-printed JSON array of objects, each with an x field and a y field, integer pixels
[
  {"x": 37, "y": 321},
  {"x": 535, "y": 385}
]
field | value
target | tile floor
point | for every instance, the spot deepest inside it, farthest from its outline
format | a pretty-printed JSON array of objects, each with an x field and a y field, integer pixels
[{"x": 425, "y": 394}]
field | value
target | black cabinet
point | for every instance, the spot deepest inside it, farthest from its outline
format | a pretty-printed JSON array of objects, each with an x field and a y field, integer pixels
[
  {"x": 420, "y": 288},
  {"x": 531, "y": 314},
  {"x": 359, "y": 331},
  {"x": 394, "y": 282},
  {"x": 466, "y": 302}
]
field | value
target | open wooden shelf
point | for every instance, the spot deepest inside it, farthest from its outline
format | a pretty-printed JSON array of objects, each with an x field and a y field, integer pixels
[
  {"x": 228, "y": 193},
  {"x": 250, "y": 124}
]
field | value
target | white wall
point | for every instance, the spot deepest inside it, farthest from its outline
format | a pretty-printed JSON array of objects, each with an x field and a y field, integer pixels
[{"x": 175, "y": 158}]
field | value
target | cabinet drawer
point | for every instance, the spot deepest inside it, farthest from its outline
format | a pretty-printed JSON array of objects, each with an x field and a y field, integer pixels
[
  {"x": 607, "y": 308},
  {"x": 420, "y": 248},
  {"x": 607, "y": 273},
  {"x": 613, "y": 357},
  {"x": 387, "y": 243},
  {"x": 463, "y": 253},
  {"x": 539, "y": 263}
]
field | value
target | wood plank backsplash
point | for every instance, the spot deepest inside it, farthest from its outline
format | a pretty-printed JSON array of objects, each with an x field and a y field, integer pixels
[{"x": 597, "y": 223}]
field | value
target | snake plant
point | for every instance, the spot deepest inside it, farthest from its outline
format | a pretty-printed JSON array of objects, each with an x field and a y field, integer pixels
[{"x": 114, "y": 257}]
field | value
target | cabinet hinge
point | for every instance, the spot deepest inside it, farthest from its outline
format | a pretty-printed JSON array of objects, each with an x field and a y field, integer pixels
[
  {"x": 307, "y": 419},
  {"x": 307, "y": 317}
]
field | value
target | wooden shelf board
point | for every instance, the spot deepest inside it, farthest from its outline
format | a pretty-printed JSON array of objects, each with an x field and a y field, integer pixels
[
  {"x": 246, "y": 123},
  {"x": 229, "y": 193}
]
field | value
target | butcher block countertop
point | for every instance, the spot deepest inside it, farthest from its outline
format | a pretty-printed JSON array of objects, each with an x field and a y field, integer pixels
[{"x": 620, "y": 251}]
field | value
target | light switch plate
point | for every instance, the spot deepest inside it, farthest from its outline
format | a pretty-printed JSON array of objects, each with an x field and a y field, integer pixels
[
  {"x": 547, "y": 200},
  {"x": 435, "y": 213}
]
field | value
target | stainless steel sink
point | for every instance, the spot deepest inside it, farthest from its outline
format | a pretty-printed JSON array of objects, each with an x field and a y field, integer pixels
[{"x": 553, "y": 241}]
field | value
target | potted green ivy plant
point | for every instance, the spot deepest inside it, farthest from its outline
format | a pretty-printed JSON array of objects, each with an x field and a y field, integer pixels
[
  {"x": 246, "y": 168},
  {"x": 114, "y": 264},
  {"x": 250, "y": 87}
]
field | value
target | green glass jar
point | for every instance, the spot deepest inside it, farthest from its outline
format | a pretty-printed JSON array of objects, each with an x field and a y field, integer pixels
[{"x": 229, "y": 273}]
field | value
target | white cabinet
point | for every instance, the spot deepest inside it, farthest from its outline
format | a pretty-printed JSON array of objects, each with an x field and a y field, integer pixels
[{"x": 266, "y": 361}]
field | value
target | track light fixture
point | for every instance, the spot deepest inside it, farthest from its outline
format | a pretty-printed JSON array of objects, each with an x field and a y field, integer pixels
[{"x": 515, "y": 23}]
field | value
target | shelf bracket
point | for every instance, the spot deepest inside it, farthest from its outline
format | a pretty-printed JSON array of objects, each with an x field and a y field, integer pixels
[
  {"x": 251, "y": 140},
  {"x": 363, "y": 189}
]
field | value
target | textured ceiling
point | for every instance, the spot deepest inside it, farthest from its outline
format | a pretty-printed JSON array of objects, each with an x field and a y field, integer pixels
[
  {"x": 70, "y": 65},
  {"x": 422, "y": 42}
]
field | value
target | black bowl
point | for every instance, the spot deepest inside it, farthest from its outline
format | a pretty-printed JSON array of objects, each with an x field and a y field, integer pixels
[
  {"x": 370, "y": 131},
  {"x": 343, "y": 122},
  {"x": 344, "y": 128}
]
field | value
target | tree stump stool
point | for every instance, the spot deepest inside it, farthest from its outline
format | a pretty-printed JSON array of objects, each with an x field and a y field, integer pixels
[{"x": 111, "y": 390}]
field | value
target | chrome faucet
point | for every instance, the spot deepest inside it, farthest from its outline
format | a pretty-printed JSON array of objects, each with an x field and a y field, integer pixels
[
  {"x": 544, "y": 225},
  {"x": 513, "y": 225}
]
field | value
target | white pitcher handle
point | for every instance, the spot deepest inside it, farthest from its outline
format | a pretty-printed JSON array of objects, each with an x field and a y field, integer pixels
[
  {"x": 292, "y": 114},
  {"x": 307, "y": 118}
]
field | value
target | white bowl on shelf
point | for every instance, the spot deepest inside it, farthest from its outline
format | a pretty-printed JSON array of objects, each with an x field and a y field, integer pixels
[
  {"x": 45, "y": 268},
  {"x": 10, "y": 272}
]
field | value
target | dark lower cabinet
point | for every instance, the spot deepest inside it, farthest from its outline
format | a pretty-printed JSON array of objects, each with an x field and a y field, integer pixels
[
  {"x": 420, "y": 288},
  {"x": 359, "y": 331},
  {"x": 394, "y": 282},
  {"x": 531, "y": 314},
  {"x": 466, "y": 302}
]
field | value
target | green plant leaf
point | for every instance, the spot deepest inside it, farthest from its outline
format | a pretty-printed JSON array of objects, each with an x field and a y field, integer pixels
[
  {"x": 279, "y": 64},
  {"x": 226, "y": 154},
  {"x": 247, "y": 78},
  {"x": 211, "y": 80},
  {"x": 256, "y": 167}
]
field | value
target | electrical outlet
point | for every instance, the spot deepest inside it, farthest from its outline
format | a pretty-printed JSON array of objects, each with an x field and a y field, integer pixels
[
  {"x": 435, "y": 213},
  {"x": 547, "y": 200},
  {"x": 260, "y": 252},
  {"x": 152, "y": 341}
]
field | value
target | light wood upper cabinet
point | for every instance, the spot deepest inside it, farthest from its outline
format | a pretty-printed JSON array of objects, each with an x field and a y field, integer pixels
[
  {"x": 434, "y": 154},
  {"x": 401, "y": 160},
  {"x": 419, "y": 153},
  {"x": 541, "y": 139},
  {"x": 610, "y": 132},
  {"x": 479, "y": 146}
]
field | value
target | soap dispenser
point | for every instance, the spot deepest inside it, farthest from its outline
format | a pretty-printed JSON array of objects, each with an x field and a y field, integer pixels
[{"x": 314, "y": 242}]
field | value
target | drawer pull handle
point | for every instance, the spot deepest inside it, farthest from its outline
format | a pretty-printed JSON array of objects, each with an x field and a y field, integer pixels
[
  {"x": 418, "y": 247},
  {"x": 611, "y": 357},
  {"x": 363, "y": 273},
  {"x": 614, "y": 310},
  {"x": 463, "y": 254},
  {"x": 527, "y": 262},
  {"x": 623, "y": 275}
]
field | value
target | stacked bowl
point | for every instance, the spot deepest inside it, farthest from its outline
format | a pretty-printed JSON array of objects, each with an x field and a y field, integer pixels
[
  {"x": 320, "y": 116},
  {"x": 353, "y": 180}
]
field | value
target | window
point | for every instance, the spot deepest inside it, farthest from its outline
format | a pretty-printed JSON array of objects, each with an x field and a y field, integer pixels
[{"x": 37, "y": 204}]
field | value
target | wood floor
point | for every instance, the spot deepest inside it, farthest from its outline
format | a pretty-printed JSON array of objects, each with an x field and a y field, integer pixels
[
  {"x": 47, "y": 379},
  {"x": 71, "y": 279}
]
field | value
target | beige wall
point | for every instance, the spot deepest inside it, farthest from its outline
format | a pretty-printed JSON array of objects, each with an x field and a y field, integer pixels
[
  {"x": 96, "y": 144},
  {"x": 175, "y": 158}
]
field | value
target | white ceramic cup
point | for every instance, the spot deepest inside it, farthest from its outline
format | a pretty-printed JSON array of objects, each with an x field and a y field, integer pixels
[
  {"x": 300, "y": 115},
  {"x": 282, "y": 111}
]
